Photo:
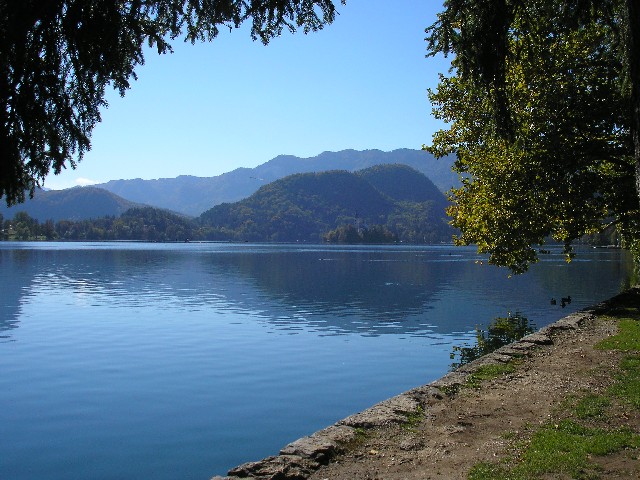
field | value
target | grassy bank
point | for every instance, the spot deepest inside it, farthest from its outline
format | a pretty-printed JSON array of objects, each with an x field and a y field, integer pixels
[{"x": 589, "y": 431}]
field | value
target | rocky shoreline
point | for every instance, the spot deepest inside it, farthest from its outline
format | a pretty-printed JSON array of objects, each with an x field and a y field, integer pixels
[{"x": 302, "y": 458}]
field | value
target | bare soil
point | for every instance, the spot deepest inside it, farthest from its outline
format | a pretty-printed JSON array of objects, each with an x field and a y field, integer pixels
[{"x": 484, "y": 424}]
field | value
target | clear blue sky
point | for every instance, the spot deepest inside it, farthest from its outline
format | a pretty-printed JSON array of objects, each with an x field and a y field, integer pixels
[{"x": 209, "y": 108}]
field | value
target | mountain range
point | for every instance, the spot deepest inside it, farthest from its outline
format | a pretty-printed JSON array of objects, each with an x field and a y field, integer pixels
[
  {"x": 78, "y": 203},
  {"x": 192, "y": 195}
]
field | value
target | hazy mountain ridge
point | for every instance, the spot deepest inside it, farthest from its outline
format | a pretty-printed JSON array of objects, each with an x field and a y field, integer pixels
[
  {"x": 190, "y": 195},
  {"x": 78, "y": 203},
  {"x": 193, "y": 195}
]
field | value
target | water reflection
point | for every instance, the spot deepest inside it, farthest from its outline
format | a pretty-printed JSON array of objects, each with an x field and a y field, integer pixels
[
  {"x": 16, "y": 272},
  {"x": 338, "y": 292},
  {"x": 368, "y": 290},
  {"x": 195, "y": 358},
  {"x": 501, "y": 331}
]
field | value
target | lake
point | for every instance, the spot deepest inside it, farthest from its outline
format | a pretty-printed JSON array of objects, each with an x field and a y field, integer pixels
[{"x": 180, "y": 361}]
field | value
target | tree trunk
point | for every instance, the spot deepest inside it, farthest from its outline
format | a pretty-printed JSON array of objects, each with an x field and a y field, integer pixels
[{"x": 633, "y": 51}]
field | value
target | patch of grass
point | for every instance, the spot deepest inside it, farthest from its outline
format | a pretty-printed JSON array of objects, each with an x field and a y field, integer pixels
[
  {"x": 488, "y": 372},
  {"x": 362, "y": 434},
  {"x": 627, "y": 385},
  {"x": 489, "y": 471},
  {"x": 627, "y": 339},
  {"x": 414, "y": 419},
  {"x": 450, "y": 390},
  {"x": 564, "y": 449},
  {"x": 591, "y": 406},
  {"x": 568, "y": 446}
]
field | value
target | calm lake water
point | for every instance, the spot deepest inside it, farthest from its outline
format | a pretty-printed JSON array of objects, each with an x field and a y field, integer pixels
[{"x": 179, "y": 361}]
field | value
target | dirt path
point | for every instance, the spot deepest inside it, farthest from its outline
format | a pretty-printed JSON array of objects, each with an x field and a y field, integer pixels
[{"x": 434, "y": 433}]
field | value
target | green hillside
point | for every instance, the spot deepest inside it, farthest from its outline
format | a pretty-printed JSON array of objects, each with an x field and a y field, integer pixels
[
  {"x": 305, "y": 207},
  {"x": 401, "y": 183}
]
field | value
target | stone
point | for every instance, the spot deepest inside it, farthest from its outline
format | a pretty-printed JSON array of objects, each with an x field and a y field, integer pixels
[
  {"x": 318, "y": 449},
  {"x": 570, "y": 322},
  {"x": 426, "y": 394},
  {"x": 281, "y": 467},
  {"x": 538, "y": 339},
  {"x": 337, "y": 433},
  {"x": 394, "y": 410}
]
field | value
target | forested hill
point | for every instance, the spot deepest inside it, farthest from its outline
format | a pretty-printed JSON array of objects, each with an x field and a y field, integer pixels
[
  {"x": 308, "y": 207},
  {"x": 193, "y": 195},
  {"x": 401, "y": 183}
]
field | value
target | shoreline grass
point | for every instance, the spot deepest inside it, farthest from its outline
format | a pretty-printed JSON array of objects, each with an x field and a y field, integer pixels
[{"x": 587, "y": 426}]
